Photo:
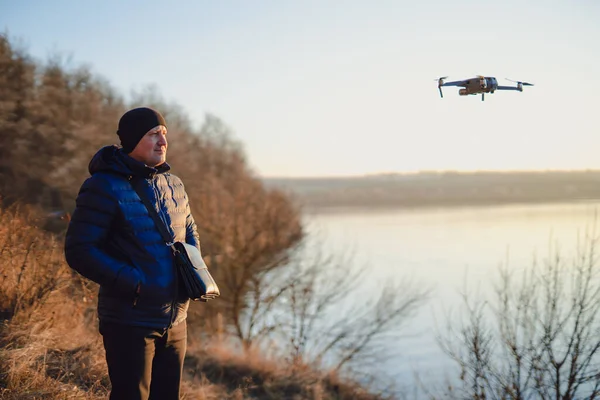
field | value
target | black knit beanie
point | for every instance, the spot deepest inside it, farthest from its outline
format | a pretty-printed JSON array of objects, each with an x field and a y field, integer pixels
[{"x": 134, "y": 124}]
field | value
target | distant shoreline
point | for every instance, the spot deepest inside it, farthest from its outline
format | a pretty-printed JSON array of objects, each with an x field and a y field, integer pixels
[
  {"x": 440, "y": 190},
  {"x": 345, "y": 209},
  {"x": 425, "y": 173}
]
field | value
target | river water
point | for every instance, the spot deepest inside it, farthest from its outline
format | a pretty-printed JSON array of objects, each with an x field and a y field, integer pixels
[{"x": 447, "y": 250}]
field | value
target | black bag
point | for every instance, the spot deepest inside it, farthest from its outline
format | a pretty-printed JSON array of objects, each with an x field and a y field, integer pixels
[{"x": 198, "y": 282}]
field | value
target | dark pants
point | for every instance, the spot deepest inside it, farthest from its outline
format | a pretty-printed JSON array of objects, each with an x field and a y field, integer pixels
[{"x": 144, "y": 363}]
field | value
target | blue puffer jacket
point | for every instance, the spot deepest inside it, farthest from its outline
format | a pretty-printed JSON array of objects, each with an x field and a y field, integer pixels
[{"x": 113, "y": 241}]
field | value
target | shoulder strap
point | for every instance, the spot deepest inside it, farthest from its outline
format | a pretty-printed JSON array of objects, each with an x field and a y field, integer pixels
[{"x": 136, "y": 183}]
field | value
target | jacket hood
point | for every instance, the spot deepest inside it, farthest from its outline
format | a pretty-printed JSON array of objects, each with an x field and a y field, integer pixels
[{"x": 113, "y": 159}]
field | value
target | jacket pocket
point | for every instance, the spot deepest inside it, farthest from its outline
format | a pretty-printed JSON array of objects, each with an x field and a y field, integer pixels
[
  {"x": 136, "y": 296},
  {"x": 128, "y": 281}
]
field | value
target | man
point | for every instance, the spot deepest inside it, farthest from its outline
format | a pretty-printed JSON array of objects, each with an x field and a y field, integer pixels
[{"x": 113, "y": 241}]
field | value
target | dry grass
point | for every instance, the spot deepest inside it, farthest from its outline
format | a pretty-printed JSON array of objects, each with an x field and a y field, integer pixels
[
  {"x": 50, "y": 347},
  {"x": 254, "y": 375},
  {"x": 47, "y": 349}
]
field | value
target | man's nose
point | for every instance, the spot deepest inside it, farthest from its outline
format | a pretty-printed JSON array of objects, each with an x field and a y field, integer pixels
[{"x": 162, "y": 140}]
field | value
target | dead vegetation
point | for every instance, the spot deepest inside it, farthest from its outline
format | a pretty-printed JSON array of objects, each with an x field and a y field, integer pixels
[
  {"x": 50, "y": 348},
  {"x": 535, "y": 336}
]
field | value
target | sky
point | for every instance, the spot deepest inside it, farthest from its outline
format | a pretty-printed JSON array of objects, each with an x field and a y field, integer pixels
[{"x": 344, "y": 88}]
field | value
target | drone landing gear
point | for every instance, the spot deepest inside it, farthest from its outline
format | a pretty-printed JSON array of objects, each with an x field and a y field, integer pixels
[{"x": 440, "y": 82}]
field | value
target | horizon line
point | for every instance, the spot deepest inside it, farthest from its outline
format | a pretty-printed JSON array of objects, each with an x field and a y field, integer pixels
[{"x": 431, "y": 172}]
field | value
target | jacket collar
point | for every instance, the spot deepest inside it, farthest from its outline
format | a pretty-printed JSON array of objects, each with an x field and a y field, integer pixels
[
  {"x": 141, "y": 170},
  {"x": 113, "y": 159}
]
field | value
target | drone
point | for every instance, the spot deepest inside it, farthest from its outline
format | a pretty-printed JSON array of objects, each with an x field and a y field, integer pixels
[{"x": 480, "y": 84}]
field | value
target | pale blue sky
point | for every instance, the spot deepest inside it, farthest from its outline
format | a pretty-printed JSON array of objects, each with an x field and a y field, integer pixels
[{"x": 347, "y": 87}]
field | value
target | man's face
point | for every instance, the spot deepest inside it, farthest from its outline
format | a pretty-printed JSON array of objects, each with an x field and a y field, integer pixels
[{"x": 152, "y": 149}]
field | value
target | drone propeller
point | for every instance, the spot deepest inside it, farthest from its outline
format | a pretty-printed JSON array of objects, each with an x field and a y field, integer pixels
[{"x": 520, "y": 83}]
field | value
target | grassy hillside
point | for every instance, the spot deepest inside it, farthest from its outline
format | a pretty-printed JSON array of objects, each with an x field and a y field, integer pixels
[{"x": 50, "y": 347}]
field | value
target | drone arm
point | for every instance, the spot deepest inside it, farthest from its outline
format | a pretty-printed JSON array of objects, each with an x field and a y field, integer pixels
[
  {"x": 507, "y": 88},
  {"x": 455, "y": 83}
]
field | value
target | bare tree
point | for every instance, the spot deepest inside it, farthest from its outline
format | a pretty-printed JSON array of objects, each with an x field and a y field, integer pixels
[
  {"x": 323, "y": 311},
  {"x": 538, "y": 337}
]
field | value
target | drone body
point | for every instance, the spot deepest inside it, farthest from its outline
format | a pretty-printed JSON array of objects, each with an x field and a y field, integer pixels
[{"x": 480, "y": 84}]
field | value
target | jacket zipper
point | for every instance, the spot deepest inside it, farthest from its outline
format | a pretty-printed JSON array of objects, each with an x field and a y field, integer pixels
[{"x": 176, "y": 291}]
